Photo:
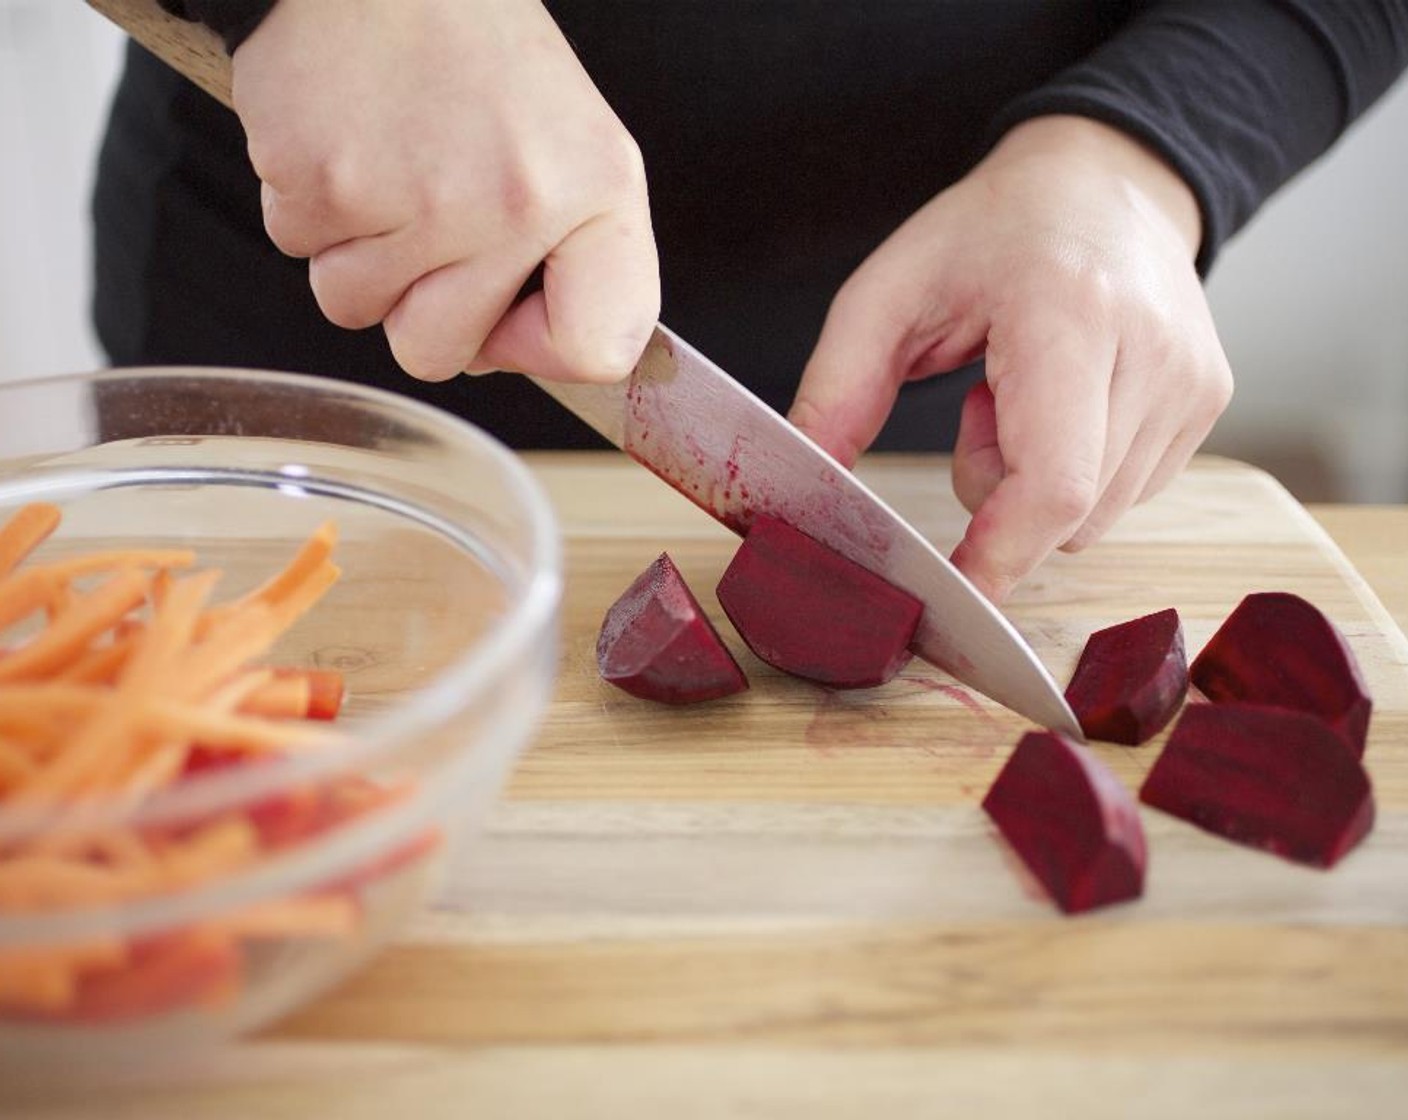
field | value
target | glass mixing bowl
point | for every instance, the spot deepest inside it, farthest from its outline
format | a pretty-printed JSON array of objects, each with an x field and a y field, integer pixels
[{"x": 443, "y": 626}]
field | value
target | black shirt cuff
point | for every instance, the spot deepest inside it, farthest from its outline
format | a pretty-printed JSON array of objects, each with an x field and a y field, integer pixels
[
  {"x": 1237, "y": 97},
  {"x": 233, "y": 20}
]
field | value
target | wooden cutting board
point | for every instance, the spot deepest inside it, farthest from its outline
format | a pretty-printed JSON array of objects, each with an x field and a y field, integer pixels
[{"x": 789, "y": 904}]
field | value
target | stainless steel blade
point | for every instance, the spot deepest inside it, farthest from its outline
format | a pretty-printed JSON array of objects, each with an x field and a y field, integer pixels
[{"x": 720, "y": 446}]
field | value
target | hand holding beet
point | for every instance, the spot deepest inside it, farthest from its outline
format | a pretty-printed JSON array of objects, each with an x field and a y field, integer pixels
[{"x": 1067, "y": 257}]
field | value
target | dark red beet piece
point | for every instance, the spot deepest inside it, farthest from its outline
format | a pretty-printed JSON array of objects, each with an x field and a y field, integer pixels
[
  {"x": 1269, "y": 778},
  {"x": 807, "y": 610},
  {"x": 1131, "y": 679},
  {"x": 1277, "y": 649},
  {"x": 1074, "y": 825},
  {"x": 656, "y": 642}
]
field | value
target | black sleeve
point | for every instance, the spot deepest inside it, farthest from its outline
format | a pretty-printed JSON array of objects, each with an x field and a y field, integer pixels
[
  {"x": 233, "y": 20},
  {"x": 1238, "y": 95}
]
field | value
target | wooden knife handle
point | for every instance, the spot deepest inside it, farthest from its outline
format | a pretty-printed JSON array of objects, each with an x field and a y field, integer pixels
[{"x": 189, "y": 48}]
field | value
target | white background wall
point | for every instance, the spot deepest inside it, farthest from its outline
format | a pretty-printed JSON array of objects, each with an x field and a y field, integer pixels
[{"x": 1311, "y": 300}]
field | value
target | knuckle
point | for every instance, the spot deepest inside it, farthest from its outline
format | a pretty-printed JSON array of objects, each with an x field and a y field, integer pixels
[
  {"x": 1219, "y": 389},
  {"x": 622, "y": 165},
  {"x": 528, "y": 205},
  {"x": 1070, "y": 497}
]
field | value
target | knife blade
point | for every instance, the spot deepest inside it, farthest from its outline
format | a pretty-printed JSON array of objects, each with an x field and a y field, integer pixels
[{"x": 733, "y": 456}]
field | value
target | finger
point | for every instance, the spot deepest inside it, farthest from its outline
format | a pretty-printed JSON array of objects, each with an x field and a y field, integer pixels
[
  {"x": 599, "y": 303},
  {"x": 358, "y": 282},
  {"x": 1217, "y": 396},
  {"x": 1051, "y": 394},
  {"x": 306, "y": 224},
  {"x": 440, "y": 324},
  {"x": 977, "y": 459},
  {"x": 1177, "y": 456},
  {"x": 853, "y": 376},
  {"x": 1136, "y": 466}
]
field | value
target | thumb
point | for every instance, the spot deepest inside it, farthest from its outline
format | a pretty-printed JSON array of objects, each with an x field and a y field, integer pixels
[{"x": 853, "y": 376}]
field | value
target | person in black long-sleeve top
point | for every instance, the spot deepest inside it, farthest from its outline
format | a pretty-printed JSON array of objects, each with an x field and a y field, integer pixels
[{"x": 843, "y": 200}]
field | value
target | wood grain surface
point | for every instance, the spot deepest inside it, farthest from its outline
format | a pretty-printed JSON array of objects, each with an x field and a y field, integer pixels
[{"x": 788, "y": 903}]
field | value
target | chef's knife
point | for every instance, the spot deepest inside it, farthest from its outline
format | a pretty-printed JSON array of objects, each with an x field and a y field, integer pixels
[{"x": 720, "y": 446}]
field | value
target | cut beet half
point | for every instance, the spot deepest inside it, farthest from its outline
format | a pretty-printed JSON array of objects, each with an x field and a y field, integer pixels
[
  {"x": 1269, "y": 778},
  {"x": 1277, "y": 649},
  {"x": 1131, "y": 679},
  {"x": 809, "y": 611},
  {"x": 1074, "y": 825},
  {"x": 656, "y": 642}
]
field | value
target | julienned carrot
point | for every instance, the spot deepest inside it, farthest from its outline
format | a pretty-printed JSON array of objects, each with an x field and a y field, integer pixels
[
  {"x": 326, "y": 690},
  {"x": 15, "y": 765},
  {"x": 312, "y": 556},
  {"x": 117, "y": 559},
  {"x": 279, "y": 697},
  {"x": 46, "y": 980},
  {"x": 70, "y": 634},
  {"x": 198, "y": 966},
  {"x": 321, "y": 915},
  {"x": 30, "y": 526},
  {"x": 243, "y": 733},
  {"x": 115, "y": 687},
  {"x": 159, "y": 646},
  {"x": 23, "y": 594},
  {"x": 100, "y": 664}
]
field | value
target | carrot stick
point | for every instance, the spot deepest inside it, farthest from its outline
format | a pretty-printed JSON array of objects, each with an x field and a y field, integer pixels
[
  {"x": 34, "y": 882},
  {"x": 324, "y": 915},
  {"x": 124, "y": 849},
  {"x": 37, "y": 984},
  {"x": 66, "y": 637},
  {"x": 232, "y": 642},
  {"x": 116, "y": 559},
  {"x": 210, "y": 852},
  {"x": 156, "y": 768},
  {"x": 233, "y": 732},
  {"x": 301, "y": 599},
  {"x": 189, "y": 967},
  {"x": 281, "y": 697},
  {"x": 326, "y": 689},
  {"x": 311, "y": 556},
  {"x": 46, "y": 979},
  {"x": 166, "y": 636},
  {"x": 62, "y": 697},
  {"x": 15, "y": 765},
  {"x": 24, "y": 593},
  {"x": 24, "y": 532},
  {"x": 100, "y": 664}
]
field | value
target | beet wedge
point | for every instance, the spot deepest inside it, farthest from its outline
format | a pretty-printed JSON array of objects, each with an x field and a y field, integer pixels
[
  {"x": 1276, "y": 649},
  {"x": 656, "y": 642},
  {"x": 1131, "y": 679},
  {"x": 1269, "y": 778},
  {"x": 1071, "y": 821},
  {"x": 807, "y": 610}
]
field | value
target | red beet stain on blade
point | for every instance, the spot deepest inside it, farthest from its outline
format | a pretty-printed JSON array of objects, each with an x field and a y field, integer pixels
[
  {"x": 1277, "y": 649},
  {"x": 1131, "y": 679},
  {"x": 809, "y": 611},
  {"x": 656, "y": 642},
  {"x": 1269, "y": 778},
  {"x": 1071, "y": 821}
]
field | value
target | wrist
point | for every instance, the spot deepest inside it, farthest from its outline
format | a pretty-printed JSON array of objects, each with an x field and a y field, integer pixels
[{"x": 1106, "y": 151}]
